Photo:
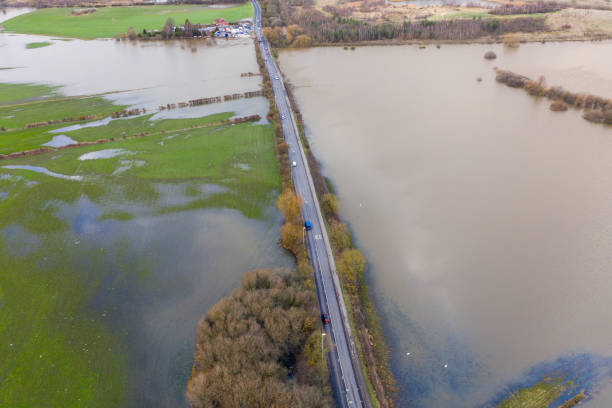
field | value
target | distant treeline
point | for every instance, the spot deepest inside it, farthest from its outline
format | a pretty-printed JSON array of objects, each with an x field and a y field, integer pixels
[
  {"x": 257, "y": 347},
  {"x": 103, "y": 3},
  {"x": 528, "y": 8},
  {"x": 322, "y": 28}
]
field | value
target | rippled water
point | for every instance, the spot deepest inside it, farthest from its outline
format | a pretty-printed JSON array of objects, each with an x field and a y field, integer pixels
[{"x": 485, "y": 216}]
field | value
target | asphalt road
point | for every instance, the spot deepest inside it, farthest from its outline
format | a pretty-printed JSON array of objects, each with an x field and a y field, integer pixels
[{"x": 344, "y": 364}]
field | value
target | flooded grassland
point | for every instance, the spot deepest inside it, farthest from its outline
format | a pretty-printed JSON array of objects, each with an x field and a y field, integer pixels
[
  {"x": 484, "y": 215},
  {"x": 110, "y": 253}
]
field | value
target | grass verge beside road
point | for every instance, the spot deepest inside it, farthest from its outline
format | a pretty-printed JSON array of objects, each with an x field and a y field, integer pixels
[{"x": 109, "y": 21}]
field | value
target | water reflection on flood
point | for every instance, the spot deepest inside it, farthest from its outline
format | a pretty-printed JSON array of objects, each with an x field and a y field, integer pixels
[
  {"x": 10, "y": 12},
  {"x": 485, "y": 216},
  {"x": 159, "y": 273},
  {"x": 59, "y": 141},
  {"x": 148, "y": 74},
  {"x": 43, "y": 170},
  {"x": 104, "y": 154},
  {"x": 160, "y": 266}
]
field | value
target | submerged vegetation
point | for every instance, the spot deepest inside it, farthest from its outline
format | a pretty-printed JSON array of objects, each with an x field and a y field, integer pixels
[
  {"x": 563, "y": 383},
  {"x": 259, "y": 347},
  {"x": 596, "y": 108},
  {"x": 109, "y": 21},
  {"x": 61, "y": 331},
  {"x": 41, "y": 44}
]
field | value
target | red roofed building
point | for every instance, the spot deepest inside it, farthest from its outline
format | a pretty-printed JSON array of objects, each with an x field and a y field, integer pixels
[{"x": 220, "y": 22}]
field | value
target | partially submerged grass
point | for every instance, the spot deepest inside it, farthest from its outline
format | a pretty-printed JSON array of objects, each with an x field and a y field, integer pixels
[
  {"x": 53, "y": 348},
  {"x": 40, "y": 44},
  {"x": 109, "y": 21},
  {"x": 56, "y": 346},
  {"x": 19, "y": 115},
  {"x": 16, "y": 93},
  {"x": 539, "y": 396}
]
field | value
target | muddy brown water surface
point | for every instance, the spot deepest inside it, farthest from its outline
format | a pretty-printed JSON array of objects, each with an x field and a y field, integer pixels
[
  {"x": 140, "y": 74},
  {"x": 485, "y": 217}
]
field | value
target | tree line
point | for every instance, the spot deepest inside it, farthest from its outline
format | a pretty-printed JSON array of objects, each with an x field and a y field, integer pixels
[
  {"x": 528, "y": 8},
  {"x": 335, "y": 27}
]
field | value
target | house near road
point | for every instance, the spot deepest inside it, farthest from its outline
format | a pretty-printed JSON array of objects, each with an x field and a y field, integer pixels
[
  {"x": 221, "y": 28},
  {"x": 221, "y": 23}
]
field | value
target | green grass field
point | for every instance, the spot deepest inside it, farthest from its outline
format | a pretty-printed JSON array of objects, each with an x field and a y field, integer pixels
[
  {"x": 16, "y": 93},
  {"x": 109, "y": 21},
  {"x": 41, "y": 44},
  {"x": 21, "y": 104},
  {"x": 57, "y": 347}
]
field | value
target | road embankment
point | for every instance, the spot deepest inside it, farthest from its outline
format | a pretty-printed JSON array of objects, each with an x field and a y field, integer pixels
[
  {"x": 351, "y": 266},
  {"x": 261, "y": 345}
]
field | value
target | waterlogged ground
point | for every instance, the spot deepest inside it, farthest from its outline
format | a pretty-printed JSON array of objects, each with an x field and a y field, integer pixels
[
  {"x": 484, "y": 216},
  {"x": 109, "y": 254}
]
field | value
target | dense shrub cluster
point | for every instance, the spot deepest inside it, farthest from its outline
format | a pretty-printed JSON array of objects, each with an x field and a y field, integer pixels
[
  {"x": 257, "y": 347},
  {"x": 527, "y": 8},
  {"x": 598, "y": 109},
  {"x": 490, "y": 55},
  {"x": 291, "y": 36}
]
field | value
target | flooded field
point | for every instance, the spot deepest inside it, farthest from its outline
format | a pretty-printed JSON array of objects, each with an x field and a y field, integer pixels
[
  {"x": 141, "y": 74},
  {"x": 110, "y": 254},
  {"x": 485, "y": 216}
]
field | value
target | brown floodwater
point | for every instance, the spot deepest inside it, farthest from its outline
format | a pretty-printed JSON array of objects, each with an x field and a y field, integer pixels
[
  {"x": 486, "y": 218},
  {"x": 144, "y": 74}
]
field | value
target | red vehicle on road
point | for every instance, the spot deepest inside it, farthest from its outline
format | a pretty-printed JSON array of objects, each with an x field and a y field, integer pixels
[{"x": 325, "y": 318}]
